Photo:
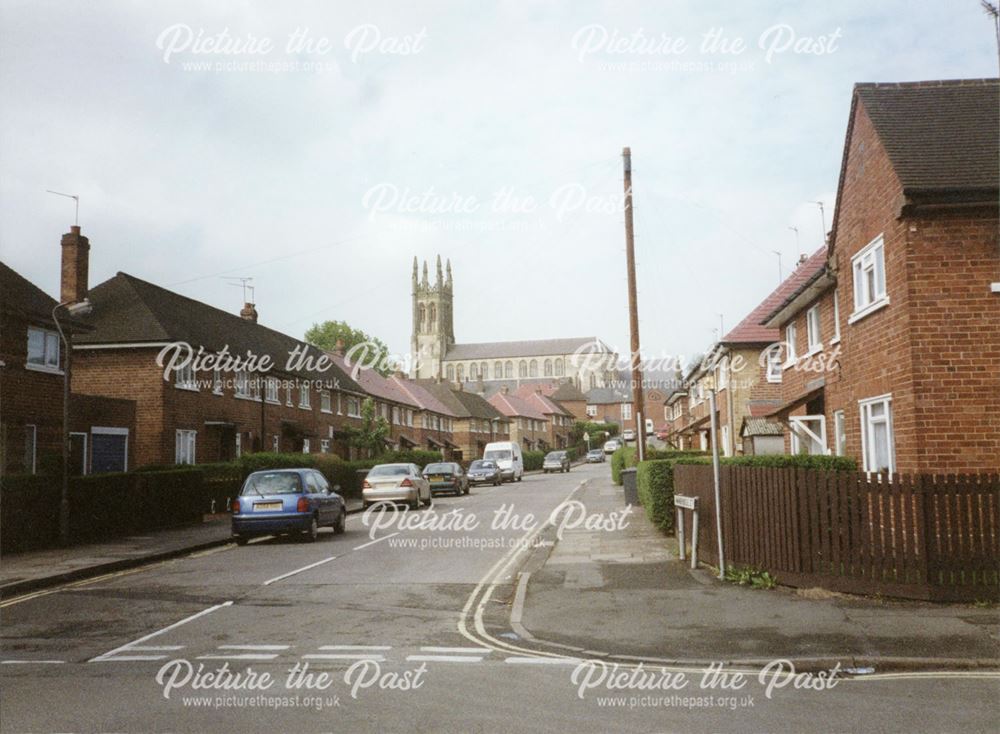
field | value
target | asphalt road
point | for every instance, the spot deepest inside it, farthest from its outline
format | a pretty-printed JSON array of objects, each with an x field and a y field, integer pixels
[{"x": 393, "y": 626}]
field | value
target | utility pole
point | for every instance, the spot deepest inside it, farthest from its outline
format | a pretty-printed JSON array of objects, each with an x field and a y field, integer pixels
[{"x": 633, "y": 309}]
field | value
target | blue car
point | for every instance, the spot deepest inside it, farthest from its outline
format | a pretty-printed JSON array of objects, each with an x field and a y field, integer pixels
[{"x": 286, "y": 501}]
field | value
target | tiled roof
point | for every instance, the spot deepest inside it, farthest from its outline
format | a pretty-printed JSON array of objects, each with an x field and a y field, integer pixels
[
  {"x": 127, "y": 310},
  {"x": 421, "y": 396},
  {"x": 761, "y": 427},
  {"x": 373, "y": 383},
  {"x": 21, "y": 295},
  {"x": 514, "y": 406},
  {"x": 460, "y": 403},
  {"x": 541, "y": 401},
  {"x": 607, "y": 396},
  {"x": 750, "y": 330},
  {"x": 533, "y": 348},
  {"x": 938, "y": 134}
]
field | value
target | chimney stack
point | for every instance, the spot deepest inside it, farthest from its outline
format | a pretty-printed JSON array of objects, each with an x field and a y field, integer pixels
[
  {"x": 504, "y": 390},
  {"x": 75, "y": 266},
  {"x": 249, "y": 312},
  {"x": 338, "y": 349}
]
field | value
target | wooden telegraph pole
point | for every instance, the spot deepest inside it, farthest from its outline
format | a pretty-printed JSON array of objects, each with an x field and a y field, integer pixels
[{"x": 633, "y": 310}]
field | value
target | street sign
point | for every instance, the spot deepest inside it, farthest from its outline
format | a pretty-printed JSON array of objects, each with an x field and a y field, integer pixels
[{"x": 684, "y": 502}]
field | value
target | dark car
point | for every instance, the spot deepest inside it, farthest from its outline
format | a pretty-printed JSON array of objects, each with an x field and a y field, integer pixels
[
  {"x": 556, "y": 461},
  {"x": 595, "y": 456},
  {"x": 484, "y": 471},
  {"x": 286, "y": 501},
  {"x": 447, "y": 477}
]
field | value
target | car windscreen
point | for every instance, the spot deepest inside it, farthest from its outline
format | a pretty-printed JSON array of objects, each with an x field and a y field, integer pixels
[
  {"x": 389, "y": 470},
  {"x": 273, "y": 483},
  {"x": 554, "y": 455},
  {"x": 497, "y": 455},
  {"x": 438, "y": 469},
  {"x": 477, "y": 464}
]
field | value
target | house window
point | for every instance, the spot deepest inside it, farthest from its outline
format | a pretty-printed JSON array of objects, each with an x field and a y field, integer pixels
[
  {"x": 868, "y": 269},
  {"x": 30, "y": 448},
  {"x": 836, "y": 318},
  {"x": 305, "y": 446},
  {"x": 812, "y": 329},
  {"x": 304, "y": 397},
  {"x": 353, "y": 407},
  {"x": 43, "y": 349},
  {"x": 324, "y": 402},
  {"x": 217, "y": 382},
  {"x": 340, "y": 404},
  {"x": 790, "y": 347},
  {"x": 184, "y": 446},
  {"x": 808, "y": 434},
  {"x": 725, "y": 442},
  {"x": 272, "y": 390},
  {"x": 324, "y": 445},
  {"x": 774, "y": 363},
  {"x": 409, "y": 417},
  {"x": 626, "y": 411},
  {"x": 723, "y": 376},
  {"x": 275, "y": 443},
  {"x": 395, "y": 415},
  {"x": 839, "y": 433},
  {"x": 184, "y": 378},
  {"x": 877, "y": 446},
  {"x": 239, "y": 445}
]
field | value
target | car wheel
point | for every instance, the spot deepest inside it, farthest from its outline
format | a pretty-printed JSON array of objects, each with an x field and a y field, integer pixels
[
  {"x": 468, "y": 488},
  {"x": 430, "y": 499},
  {"x": 519, "y": 479},
  {"x": 365, "y": 505},
  {"x": 341, "y": 525},
  {"x": 312, "y": 533},
  {"x": 241, "y": 540},
  {"x": 415, "y": 504},
  {"x": 496, "y": 482}
]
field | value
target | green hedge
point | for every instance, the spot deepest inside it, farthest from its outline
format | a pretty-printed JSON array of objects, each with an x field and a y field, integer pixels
[
  {"x": 623, "y": 458},
  {"x": 801, "y": 461},
  {"x": 533, "y": 460}
]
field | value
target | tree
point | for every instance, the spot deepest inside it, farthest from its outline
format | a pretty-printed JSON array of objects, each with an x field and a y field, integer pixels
[
  {"x": 370, "y": 437},
  {"x": 326, "y": 335}
]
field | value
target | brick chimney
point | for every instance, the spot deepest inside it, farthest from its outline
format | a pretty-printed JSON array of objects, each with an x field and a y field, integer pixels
[
  {"x": 75, "y": 266},
  {"x": 504, "y": 390},
  {"x": 338, "y": 348},
  {"x": 249, "y": 312}
]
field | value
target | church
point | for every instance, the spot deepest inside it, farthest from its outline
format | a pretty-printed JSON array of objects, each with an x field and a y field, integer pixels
[{"x": 493, "y": 365}]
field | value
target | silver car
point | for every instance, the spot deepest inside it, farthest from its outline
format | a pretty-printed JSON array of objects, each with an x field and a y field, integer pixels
[{"x": 396, "y": 483}]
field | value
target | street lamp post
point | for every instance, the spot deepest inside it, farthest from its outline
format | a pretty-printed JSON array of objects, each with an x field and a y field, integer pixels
[{"x": 80, "y": 308}]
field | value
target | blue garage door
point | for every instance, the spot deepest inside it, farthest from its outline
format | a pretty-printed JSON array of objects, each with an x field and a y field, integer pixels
[{"x": 107, "y": 452}]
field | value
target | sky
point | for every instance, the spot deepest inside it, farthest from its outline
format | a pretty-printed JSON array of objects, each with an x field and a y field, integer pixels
[{"x": 317, "y": 147}]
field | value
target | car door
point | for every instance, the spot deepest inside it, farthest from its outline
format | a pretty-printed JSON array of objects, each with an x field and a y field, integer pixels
[
  {"x": 327, "y": 502},
  {"x": 424, "y": 485}
]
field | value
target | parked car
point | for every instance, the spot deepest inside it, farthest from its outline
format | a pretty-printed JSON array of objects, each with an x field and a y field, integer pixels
[
  {"x": 396, "y": 483},
  {"x": 507, "y": 455},
  {"x": 482, "y": 471},
  {"x": 447, "y": 477},
  {"x": 286, "y": 501},
  {"x": 556, "y": 461},
  {"x": 628, "y": 435},
  {"x": 595, "y": 456},
  {"x": 663, "y": 434},
  {"x": 611, "y": 446}
]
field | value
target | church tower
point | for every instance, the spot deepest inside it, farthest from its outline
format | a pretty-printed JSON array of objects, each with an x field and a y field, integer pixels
[{"x": 433, "y": 327}]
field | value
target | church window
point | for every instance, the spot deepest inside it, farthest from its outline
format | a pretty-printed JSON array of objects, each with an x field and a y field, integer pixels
[
  {"x": 483, "y": 370},
  {"x": 432, "y": 315},
  {"x": 548, "y": 368},
  {"x": 522, "y": 369},
  {"x": 422, "y": 315},
  {"x": 451, "y": 373},
  {"x": 533, "y": 368},
  {"x": 498, "y": 370},
  {"x": 508, "y": 369},
  {"x": 559, "y": 368},
  {"x": 460, "y": 372}
]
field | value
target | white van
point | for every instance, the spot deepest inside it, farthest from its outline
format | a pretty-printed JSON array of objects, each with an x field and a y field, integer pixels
[{"x": 507, "y": 455}]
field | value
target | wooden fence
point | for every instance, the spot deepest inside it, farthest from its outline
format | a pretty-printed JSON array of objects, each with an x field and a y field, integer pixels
[{"x": 919, "y": 537}]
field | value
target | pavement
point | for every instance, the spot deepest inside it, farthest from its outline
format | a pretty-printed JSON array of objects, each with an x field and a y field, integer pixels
[
  {"x": 21, "y": 573},
  {"x": 632, "y": 598}
]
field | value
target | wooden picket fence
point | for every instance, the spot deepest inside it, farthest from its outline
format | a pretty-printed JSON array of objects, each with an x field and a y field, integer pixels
[{"x": 918, "y": 537}]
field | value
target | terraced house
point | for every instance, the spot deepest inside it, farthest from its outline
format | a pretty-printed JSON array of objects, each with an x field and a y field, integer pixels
[
  {"x": 896, "y": 339},
  {"x": 476, "y": 422}
]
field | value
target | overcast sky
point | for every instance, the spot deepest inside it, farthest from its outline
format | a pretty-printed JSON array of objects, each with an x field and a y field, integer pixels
[{"x": 298, "y": 177}]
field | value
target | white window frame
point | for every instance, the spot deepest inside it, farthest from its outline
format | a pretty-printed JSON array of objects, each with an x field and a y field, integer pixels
[
  {"x": 324, "y": 445},
  {"x": 839, "y": 433},
  {"x": 774, "y": 365},
  {"x": 288, "y": 397},
  {"x": 271, "y": 391},
  {"x": 239, "y": 444},
  {"x": 340, "y": 404},
  {"x": 354, "y": 412},
  {"x": 217, "y": 381},
  {"x": 864, "y": 408},
  {"x": 723, "y": 374},
  {"x": 869, "y": 259},
  {"x": 836, "y": 317},
  {"x": 325, "y": 404},
  {"x": 306, "y": 446},
  {"x": 181, "y": 448},
  {"x": 33, "y": 429},
  {"x": 50, "y": 341},
  {"x": 304, "y": 397},
  {"x": 797, "y": 423},
  {"x": 814, "y": 338},
  {"x": 184, "y": 378},
  {"x": 275, "y": 442},
  {"x": 592, "y": 411},
  {"x": 626, "y": 411},
  {"x": 726, "y": 449},
  {"x": 791, "y": 346}
]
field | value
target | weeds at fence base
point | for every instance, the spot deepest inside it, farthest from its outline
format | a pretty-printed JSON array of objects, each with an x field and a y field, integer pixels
[{"x": 752, "y": 577}]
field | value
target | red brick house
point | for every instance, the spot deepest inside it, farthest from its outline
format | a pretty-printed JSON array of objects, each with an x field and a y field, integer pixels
[
  {"x": 434, "y": 423},
  {"x": 898, "y": 336},
  {"x": 558, "y": 420},
  {"x": 476, "y": 422},
  {"x": 32, "y": 363},
  {"x": 528, "y": 424}
]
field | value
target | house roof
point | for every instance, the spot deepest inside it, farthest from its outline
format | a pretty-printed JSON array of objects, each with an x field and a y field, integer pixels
[
  {"x": 607, "y": 396},
  {"x": 531, "y": 348},
  {"x": 541, "y": 402},
  {"x": 515, "y": 406},
  {"x": 373, "y": 383},
  {"x": 460, "y": 403},
  {"x": 939, "y": 135},
  {"x": 24, "y": 297},
  {"x": 424, "y": 399},
  {"x": 751, "y": 329},
  {"x": 129, "y": 310},
  {"x": 761, "y": 427}
]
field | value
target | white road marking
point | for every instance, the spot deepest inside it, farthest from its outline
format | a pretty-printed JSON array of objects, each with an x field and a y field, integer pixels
[
  {"x": 243, "y": 656},
  {"x": 446, "y": 658},
  {"x": 156, "y": 648},
  {"x": 355, "y": 647},
  {"x": 32, "y": 662},
  {"x": 483, "y": 650},
  {"x": 519, "y": 660},
  {"x": 344, "y": 656},
  {"x": 253, "y": 647},
  {"x": 108, "y": 656},
  {"x": 377, "y": 540},
  {"x": 299, "y": 570}
]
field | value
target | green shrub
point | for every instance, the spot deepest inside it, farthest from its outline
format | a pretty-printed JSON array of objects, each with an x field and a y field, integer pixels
[
  {"x": 655, "y": 483},
  {"x": 801, "y": 461},
  {"x": 533, "y": 460},
  {"x": 623, "y": 458}
]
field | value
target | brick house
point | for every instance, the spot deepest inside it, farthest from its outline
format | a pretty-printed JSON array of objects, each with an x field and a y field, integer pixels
[
  {"x": 558, "y": 420},
  {"x": 610, "y": 405},
  {"x": 528, "y": 425},
  {"x": 32, "y": 363},
  {"x": 186, "y": 415},
  {"x": 476, "y": 422},
  {"x": 434, "y": 422},
  {"x": 899, "y": 334}
]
